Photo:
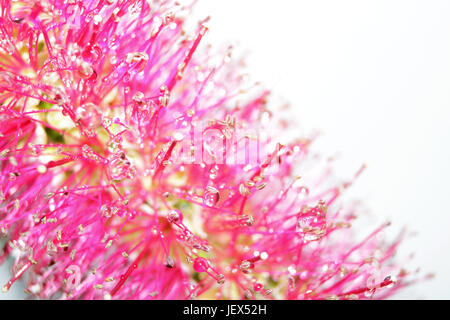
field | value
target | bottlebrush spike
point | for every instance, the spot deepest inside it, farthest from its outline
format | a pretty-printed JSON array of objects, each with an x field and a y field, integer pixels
[{"x": 135, "y": 163}]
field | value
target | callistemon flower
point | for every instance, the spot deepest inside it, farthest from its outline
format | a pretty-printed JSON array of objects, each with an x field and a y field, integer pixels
[{"x": 138, "y": 163}]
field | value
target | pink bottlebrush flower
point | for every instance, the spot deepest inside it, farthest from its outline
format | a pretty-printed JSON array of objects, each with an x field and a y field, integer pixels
[{"x": 137, "y": 164}]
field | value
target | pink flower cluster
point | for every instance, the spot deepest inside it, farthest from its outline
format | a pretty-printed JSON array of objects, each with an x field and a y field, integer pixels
[{"x": 96, "y": 99}]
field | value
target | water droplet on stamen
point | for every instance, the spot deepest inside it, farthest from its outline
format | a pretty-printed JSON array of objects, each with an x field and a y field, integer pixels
[
  {"x": 120, "y": 167},
  {"x": 175, "y": 216},
  {"x": 41, "y": 169},
  {"x": 243, "y": 190},
  {"x": 257, "y": 287},
  {"x": 85, "y": 70},
  {"x": 211, "y": 196},
  {"x": 178, "y": 136},
  {"x": 88, "y": 117},
  {"x": 97, "y": 19},
  {"x": 220, "y": 279},
  {"x": 245, "y": 266},
  {"x": 108, "y": 210},
  {"x": 138, "y": 58},
  {"x": 138, "y": 97},
  {"x": 169, "y": 263},
  {"x": 200, "y": 264},
  {"x": 92, "y": 53}
]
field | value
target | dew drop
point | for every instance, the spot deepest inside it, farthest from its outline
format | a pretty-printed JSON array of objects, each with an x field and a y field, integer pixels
[
  {"x": 175, "y": 216},
  {"x": 88, "y": 116},
  {"x": 178, "y": 136},
  {"x": 120, "y": 167},
  {"x": 245, "y": 266},
  {"x": 200, "y": 264},
  {"x": 92, "y": 53},
  {"x": 108, "y": 210},
  {"x": 41, "y": 169},
  {"x": 13, "y": 176},
  {"x": 138, "y": 97},
  {"x": 369, "y": 293},
  {"x": 169, "y": 263},
  {"x": 303, "y": 192},
  {"x": 138, "y": 59},
  {"x": 243, "y": 190},
  {"x": 211, "y": 196},
  {"x": 85, "y": 70},
  {"x": 267, "y": 292},
  {"x": 220, "y": 279},
  {"x": 97, "y": 19},
  {"x": 257, "y": 286},
  {"x": 113, "y": 59}
]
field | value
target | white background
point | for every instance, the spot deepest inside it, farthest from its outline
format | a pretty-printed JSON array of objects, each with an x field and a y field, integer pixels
[{"x": 374, "y": 77}]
